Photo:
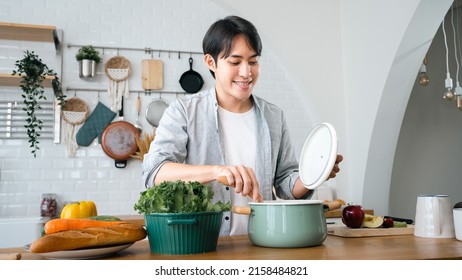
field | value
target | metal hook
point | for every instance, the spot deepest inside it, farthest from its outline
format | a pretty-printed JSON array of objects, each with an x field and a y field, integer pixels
[
  {"x": 159, "y": 52},
  {"x": 179, "y": 55},
  {"x": 168, "y": 54}
]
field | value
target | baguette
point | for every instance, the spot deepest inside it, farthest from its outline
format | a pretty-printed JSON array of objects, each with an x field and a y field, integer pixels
[
  {"x": 88, "y": 238},
  {"x": 336, "y": 204}
]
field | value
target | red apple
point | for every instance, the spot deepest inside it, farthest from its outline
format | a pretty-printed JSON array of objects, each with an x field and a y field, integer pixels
[
  {"x": 353, "y": 216},
  {"x": 387, "y": 222}
]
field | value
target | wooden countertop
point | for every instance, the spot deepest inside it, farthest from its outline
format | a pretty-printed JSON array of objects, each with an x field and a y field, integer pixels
[
  {"x": 402, "y": 247},
  {"x": 139, "y": 219}
]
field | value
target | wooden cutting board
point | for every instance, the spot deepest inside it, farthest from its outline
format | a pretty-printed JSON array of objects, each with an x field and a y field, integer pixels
[
  {"x": 344, "y": 231},
  {"x": 152, "y": 74}
]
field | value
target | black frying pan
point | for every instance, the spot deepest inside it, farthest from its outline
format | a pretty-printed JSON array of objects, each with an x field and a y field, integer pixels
[{"x": 191, "y": 81}]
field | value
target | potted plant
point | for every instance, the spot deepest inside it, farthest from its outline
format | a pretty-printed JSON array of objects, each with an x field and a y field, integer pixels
[
  {"x": 33, "y": 71},
  {"x": 88, "y": 57}
]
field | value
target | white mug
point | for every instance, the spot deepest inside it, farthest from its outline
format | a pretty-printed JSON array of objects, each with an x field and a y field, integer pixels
[
  {"x": 434, "y": 217},
  {"x": 458, "y": 222}
]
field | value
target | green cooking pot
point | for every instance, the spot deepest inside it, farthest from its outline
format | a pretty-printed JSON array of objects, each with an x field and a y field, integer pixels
[{"x": 286, "y": 223}]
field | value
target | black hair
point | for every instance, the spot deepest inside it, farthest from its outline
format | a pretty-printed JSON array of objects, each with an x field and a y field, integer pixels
[{"x": 219, "y": 38}]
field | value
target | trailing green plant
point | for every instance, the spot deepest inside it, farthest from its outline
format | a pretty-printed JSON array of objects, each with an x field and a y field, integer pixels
[
  {"x": 88, "y": 52},
  {"x": 33, "y": 71}
]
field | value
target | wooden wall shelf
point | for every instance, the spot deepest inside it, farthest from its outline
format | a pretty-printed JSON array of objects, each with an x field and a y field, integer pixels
[
  {"x": 37, "y": 33},
  {"x": 26, "y": 32},
  {"x": 29, "y": 32},
  {"x": 14, "y": 80}
]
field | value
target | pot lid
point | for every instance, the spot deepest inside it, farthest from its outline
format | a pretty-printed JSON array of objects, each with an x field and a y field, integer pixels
[{"x": 318, "y": 155}]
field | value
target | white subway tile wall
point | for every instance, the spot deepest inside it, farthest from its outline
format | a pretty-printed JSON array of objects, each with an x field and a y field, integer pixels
[{"x": 158, "y": 24}]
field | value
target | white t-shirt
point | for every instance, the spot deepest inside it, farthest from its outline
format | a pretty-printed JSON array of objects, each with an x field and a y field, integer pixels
[{"x": 240, "y": 144}]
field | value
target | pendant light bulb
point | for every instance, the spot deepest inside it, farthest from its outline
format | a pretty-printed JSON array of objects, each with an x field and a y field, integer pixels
[
  {"x": 423, "y": 77},
  {"x": 458, "y": 90},
  {"x": 459, "y": 102},
  {"x": 458, "y": 93},
  {"x": 449, "y": 94}
]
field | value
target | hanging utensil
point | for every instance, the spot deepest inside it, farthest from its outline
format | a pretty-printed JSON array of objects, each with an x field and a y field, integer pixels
[
  {"x": 137, "y": 123},
  {"x": 118, "y": 140},
  {"x": 154, "y": 112},
  {"x": 152, "y": 74},
  {"x": 191, "y": 81}
]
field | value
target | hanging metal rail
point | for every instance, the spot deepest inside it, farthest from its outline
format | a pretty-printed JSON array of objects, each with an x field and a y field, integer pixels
[
  {"x": 71, "y": 89},
  {"x": 146, "y": 50}
]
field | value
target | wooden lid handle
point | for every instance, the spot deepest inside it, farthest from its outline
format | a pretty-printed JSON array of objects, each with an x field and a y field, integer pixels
[{"x": 241, "y": 210}]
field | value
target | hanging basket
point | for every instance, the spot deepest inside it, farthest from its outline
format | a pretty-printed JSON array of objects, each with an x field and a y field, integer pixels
[
  {"x": 74, "y": 114},
  {"x": 75, "y": 111},
  {"x": 118, "y": 68}
]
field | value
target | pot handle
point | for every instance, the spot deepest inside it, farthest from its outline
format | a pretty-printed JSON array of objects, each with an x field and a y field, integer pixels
[
  {"x": 241, "y": 210},
  {"x": 181, "y": 222},
  {"x": 120, "y": 163}
]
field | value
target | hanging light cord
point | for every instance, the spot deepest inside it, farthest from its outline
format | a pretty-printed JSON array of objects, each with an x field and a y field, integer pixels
[
  {"x": 448, "y": 81},
  {"x": 457, "y": 32},
  {"x": 446, "y": 45},
  {"x": 455, "y": 46}
]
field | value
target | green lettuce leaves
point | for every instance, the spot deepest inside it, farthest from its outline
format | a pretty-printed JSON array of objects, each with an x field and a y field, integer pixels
[{"x": 179, "y": 197}]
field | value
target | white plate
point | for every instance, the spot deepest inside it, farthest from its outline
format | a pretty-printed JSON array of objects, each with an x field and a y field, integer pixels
[
  {"x": 318, "y": 155},
  {"x": 83, "y": 254}
]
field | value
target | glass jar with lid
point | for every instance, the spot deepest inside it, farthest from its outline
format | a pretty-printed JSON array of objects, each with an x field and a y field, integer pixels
[{"x": 49, "y": 205}]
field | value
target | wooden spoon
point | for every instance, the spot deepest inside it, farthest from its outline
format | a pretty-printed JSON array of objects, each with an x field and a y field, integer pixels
[
  {"x": 224, "y": 181},
  {"x": 137, "y": 124}
]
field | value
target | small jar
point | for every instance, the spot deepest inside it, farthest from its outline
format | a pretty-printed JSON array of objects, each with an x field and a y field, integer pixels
[{"x": 49, "y": 205}]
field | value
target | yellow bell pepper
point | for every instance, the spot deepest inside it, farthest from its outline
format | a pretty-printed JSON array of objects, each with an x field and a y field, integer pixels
[{"x": 82, "y": 209}]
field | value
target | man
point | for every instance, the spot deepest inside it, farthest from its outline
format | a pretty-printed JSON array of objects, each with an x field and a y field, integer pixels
[{"x": 228, "y": 131}]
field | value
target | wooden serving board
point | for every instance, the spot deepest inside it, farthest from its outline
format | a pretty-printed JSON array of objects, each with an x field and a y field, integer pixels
[
  {"x": 152, "y": 74},
  {"x": 344, "y": 231}
]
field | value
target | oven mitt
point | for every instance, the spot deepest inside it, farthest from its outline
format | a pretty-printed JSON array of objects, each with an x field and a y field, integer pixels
[{"x": 94, "y": 125}]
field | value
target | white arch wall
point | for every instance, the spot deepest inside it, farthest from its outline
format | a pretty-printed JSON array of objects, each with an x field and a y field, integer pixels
[
  {"x": 428, "y": 152},
  {"x": 417, "y": 37}
]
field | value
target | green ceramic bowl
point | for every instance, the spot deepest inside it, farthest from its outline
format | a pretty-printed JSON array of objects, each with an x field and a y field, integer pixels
[
  {"x": 287, "y": 223},
  {"x": 183, "y": 233}
]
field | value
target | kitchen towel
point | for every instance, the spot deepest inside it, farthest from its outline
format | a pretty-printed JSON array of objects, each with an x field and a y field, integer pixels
[{"x": 94, "y": 125}]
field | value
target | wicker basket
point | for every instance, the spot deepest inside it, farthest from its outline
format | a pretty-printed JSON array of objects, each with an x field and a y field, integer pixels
[
  {"x": 75, "y": 111},
  {"x": 118, "y": 68}
]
